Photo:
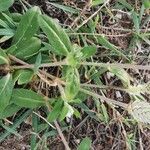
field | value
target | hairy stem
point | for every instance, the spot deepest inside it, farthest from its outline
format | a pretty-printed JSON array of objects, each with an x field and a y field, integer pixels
[
  {"x": 63, "y": 63},
  {"x": 119, "y": 65},
  {"x": 107, "y": 100}
]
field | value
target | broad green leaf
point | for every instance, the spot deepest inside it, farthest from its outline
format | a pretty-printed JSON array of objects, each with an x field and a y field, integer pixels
[
  {"x": 77, "y": 113},
  {"x": 6, "y": 87},
  {"x": 9, "y": 111},
  {"x": 67, "y": 111},
  {"x": 27, "y": 98},
  {"x": 72, "y": 84},
  {"x": 46, "y": 47},
  {"x": 11, "y": 49},
  {"x": 97, "y": 2},
  {"x": 147, "y": 3},
  {"x": 88, "y": 51},
  {"x": 122, "y": 75},
  {"x": 64, "y": 112},
  {"x": 104, "y": 42},
  {"x": 6, "y": 32},
  {"x": 24, "y": 76},
  {"x": 53, "y": 115},
  {"x": 56, "y": 35},
  {"x": 26, "y": 49},
  {"x": 16, "y": 16},
  {"x": 28, "y": 26},
  {"x": 85, "y": 144},
  {"x": 5, "y": 4},
  {"x": 45, "y": 59},
  {"x": 3, "y": 58}
]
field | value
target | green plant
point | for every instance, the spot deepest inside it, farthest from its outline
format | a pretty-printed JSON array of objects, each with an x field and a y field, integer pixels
[{"x": 29, "y": 52}]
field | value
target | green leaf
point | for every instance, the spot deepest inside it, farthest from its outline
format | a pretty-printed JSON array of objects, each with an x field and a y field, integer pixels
[
  {"x": 85, "y": 144},
  {"x": 77, "y": 113},
  {"x": 142, "y": 12},
  {"x": 53, "y": 115},
  {"x": 64, "y": 112},
  {"x": 136, "y": 21},
  {"x": 3, "y": 24},
  {"x": 6, "y": 87},
  {"x": 88, "y": 51},
  {"x": 57, "y": 37},
  {"x": 147, "y": 3},
  {"x": 3, "y": 58},
  {"x": 105, "y": 113},
  {"x": 72, "y": 84},
  {"x": 126, "y": 4},
  {"x": 16, "y": 16},
  {"x": 28, "y": 26},
  {"x": 9, "y": 20},
  {"x": 37, "y": 63},
  {"x": 66, "y": 8},
  {"x": 45, "y": 59},
  {"x": 104, "y": 42},
  {"x": 9, "y": 111},
  {"x": 7, "y": 32},
  {"x": 23, "y": 76},
  {"x": 20, "y": 118},
  {"x": 67, "y": 111},
  {"x": 97, "y": 2},
  {"x": 122, "y": 75},
  {"x": 27, "y": 98},
  {"x": 5, "y": 4},
  {"x": 26, "y": 49}
]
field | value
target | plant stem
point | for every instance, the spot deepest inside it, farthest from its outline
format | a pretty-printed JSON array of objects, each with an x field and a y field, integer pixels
[
  {"x": 119, "y": 65},
  {"x": 61, "y": 135},
  {"x": 31, "y": 66},
  {"x": 97, "y": 34},
  {"x": 103, "y": 87},
  {"x": 63, "y": 63},
  {"x": 93, "y": 15},
  {"x": 107, "y": 100}
]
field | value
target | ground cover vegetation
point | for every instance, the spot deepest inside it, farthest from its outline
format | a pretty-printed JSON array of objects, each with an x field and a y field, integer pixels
[{"x": 74, "y": 74}]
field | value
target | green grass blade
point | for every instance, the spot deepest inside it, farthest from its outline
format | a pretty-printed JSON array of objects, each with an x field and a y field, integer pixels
[{"x": 17, "y": 122}]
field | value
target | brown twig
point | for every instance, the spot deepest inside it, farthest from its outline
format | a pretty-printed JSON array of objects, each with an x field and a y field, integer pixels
[
  {"x": 93, "y": 15},
  {"x": 82, "y": 12}
]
